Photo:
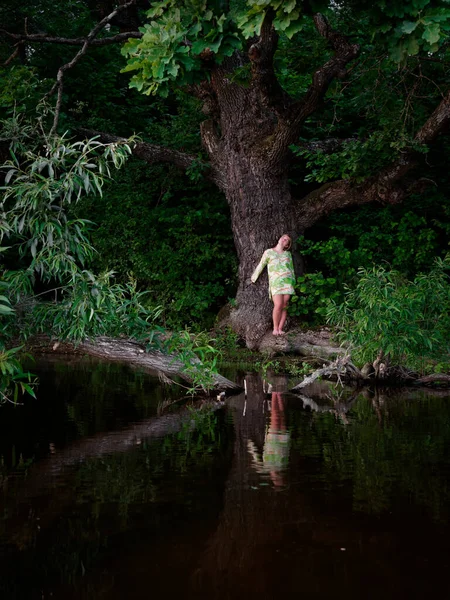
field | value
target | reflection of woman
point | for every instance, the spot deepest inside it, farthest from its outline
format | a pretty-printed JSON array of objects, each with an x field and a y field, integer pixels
[
  {"x": 281, "y": 279},
  {"x": 275, "y": 456}
]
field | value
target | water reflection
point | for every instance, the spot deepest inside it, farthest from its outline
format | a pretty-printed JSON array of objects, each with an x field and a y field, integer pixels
[
  {"x": 332, "y": 493},
  {"x": 275, "y": 455}
]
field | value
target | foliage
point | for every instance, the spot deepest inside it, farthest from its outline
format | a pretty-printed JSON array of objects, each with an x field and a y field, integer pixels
[
  {"x": 39, "y": 184},
  {"x": 41, "y": 181},
  {"x": 198, "y": 355},
  {"x": 172, "y": 236},
  {"x": 408, "y": 320},
  {"x": 226, "y": 341},
  {"x": 313, "y": 294},
  {"x": 268, "y": 365},
  {"x": 13, "y": 380},
  {"x": 404, "y": 238},
  {"x": 164, "y": 53},
  {"x": 21, "y": 90},
  {"x": 181, "y": 35},
  {"x": 94, "y": 305},
  {"x": 411, "y": 26},
  {"x": 356, "y": 159}
]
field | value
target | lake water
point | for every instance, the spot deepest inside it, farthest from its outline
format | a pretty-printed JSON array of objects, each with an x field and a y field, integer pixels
[{"x": 111, "y": 487}]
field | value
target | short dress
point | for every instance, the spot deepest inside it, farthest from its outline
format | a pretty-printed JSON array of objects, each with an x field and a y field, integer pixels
[{"x": 280, "y": 269}]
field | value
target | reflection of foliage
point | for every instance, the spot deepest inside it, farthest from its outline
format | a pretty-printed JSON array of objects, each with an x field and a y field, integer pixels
[
  {"x": 138, "y": 476},
  {"x": 201, "y": 433},
  {"x": 395, "y": 454},
  {"x": 13, "y": 379}
]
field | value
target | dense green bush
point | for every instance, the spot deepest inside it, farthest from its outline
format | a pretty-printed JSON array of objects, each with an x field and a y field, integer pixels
[
  {"x": 403, "y": 238},
  {"x": 313, "y": 293},
  {"x": 409, "y": 320}
]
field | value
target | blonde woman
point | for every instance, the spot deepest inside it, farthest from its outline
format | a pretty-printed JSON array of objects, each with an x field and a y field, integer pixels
[{"x": 280, "y": 269}]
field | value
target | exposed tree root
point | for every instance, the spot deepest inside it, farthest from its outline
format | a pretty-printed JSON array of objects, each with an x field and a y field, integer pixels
[{"x": 380, "y": 371}]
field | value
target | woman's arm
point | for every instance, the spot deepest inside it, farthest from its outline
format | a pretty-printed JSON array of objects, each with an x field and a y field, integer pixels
[{"x": 262, "y": 263}]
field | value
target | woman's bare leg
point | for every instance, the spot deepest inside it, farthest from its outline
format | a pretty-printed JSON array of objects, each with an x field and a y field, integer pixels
[
  {"x": 283, "y": 317},
  {"x": 278, "y": 301}
]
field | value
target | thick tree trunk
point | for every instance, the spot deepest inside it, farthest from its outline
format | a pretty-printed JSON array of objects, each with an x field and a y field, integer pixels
[
  {"x": 255, "y": 182},
  {"x": 261, "y": 212}
]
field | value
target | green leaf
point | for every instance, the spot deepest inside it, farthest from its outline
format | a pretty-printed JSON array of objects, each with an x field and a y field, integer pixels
[
  {"x": 408, "y": 26},
  {"x": 412, "y": 46},
  {"x": 432, "y": 33}
]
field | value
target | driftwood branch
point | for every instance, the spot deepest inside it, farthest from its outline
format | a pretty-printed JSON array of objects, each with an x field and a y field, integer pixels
[
  {"x": 342, "y": 367},
  {"x": 433, "y": 379},
  {"x": 127, "y": 351}
]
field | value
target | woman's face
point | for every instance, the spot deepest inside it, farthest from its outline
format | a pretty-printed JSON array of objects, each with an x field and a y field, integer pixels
[{"x": 285, "y": 242}]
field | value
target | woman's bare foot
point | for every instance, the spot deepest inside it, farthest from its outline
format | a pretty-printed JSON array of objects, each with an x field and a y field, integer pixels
[
  {"x": 281, "y": 332},
  {"x": 275, "y": 332}
]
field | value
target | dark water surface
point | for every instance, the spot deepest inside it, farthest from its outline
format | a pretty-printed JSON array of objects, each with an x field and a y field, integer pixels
[{"x": 109, "y": 492}]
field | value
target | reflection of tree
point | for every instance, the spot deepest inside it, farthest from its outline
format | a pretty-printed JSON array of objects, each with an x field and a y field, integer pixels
[
  {"x": 158, "y": 519},
  {"x": 268, "y": 541},
  {"x": 392, "y": 449},
  {"x": 250, "y": 523}
]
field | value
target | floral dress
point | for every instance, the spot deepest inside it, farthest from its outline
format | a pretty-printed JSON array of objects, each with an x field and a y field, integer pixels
[{"x": 280, "y": 269}]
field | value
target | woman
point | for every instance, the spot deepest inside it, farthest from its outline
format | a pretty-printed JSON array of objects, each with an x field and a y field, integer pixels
[{"x": 281, "y": 279}]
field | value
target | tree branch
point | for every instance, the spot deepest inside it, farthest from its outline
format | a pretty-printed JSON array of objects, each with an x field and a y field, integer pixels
[
  {"x": 389, "y": 185},
  {"x": 289, "y": 127},
  {"x": 14, "y": 54},
  {"x": 152, "y": 153},
  {"x": 264, "y": 80},
  {"x": 92, "y": 34},
  {"x": 39, "y": 38}
]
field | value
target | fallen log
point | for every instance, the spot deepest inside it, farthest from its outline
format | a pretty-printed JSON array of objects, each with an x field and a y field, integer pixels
[
  {"x": 343, "y": 369},
  {"x": 126, "y": 351},
  {"x": 434, "y": 378}
]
